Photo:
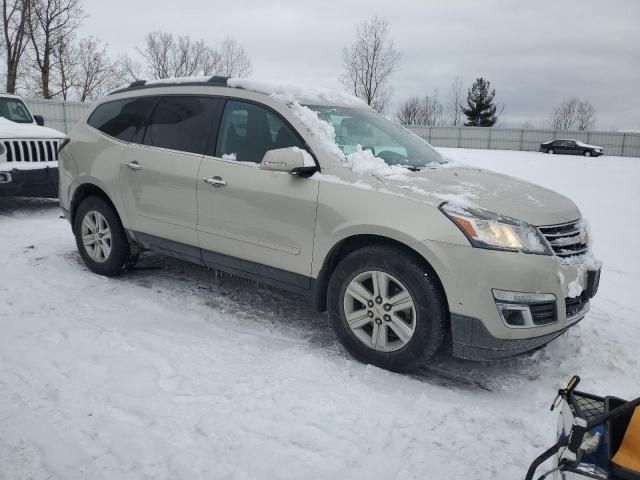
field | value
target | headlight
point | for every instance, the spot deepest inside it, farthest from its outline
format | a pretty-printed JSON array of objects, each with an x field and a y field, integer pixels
[{"x": 489, "y": 230}]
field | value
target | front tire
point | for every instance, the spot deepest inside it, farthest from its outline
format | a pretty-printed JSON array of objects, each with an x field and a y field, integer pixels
[
  {"x": 587, "y": 153},
  {"x": 100, "y": 237},
  {"x": 386, "y": 308}
]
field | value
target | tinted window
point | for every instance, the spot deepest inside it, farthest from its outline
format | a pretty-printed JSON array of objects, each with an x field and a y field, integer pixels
[
  {"x": 123, "y": 119},
  {"x": 248, "y": 131},
  {"x": 181, "y": 123}
]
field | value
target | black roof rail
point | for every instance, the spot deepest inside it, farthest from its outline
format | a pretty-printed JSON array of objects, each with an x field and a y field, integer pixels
[
  {"x": 215, "y": 80},
  {"x": 218, "y": 80},
  {"x": 137, "y": 83}
]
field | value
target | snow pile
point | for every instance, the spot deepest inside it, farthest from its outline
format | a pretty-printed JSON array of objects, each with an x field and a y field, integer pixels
[
  {"x": 291, "y": 92},
  {"x": 10, "y": 130}
]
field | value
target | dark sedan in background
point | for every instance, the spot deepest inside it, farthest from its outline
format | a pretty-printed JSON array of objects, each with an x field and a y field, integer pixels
[{"x": 571, "y": 147}]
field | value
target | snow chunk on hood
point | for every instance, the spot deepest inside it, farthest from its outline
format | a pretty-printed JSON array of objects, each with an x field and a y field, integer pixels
[
  {"x": 9, "y": 129},
  {"x": 291, "y": 92}
]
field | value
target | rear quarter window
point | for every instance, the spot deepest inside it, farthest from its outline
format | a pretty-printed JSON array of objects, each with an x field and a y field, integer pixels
[{"x": 123, "y": 119}]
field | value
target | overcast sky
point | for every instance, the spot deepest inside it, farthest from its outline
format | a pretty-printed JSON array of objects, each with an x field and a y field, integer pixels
[{"x": 535, "y": 53}]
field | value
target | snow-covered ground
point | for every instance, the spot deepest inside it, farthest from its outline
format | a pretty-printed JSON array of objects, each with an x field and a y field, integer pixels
[{"x": 173, "y": 373}]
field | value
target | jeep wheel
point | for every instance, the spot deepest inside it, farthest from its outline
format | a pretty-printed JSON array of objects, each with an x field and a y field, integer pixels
[
  {"x": 386, "y": 308},
  {"x": 100, "y": 237}
]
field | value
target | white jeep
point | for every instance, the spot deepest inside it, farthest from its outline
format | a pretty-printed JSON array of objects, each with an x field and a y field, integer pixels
[{"x": 28, "y": 152}]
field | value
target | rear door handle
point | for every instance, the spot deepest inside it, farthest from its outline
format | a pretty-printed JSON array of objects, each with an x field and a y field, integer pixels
[
  {"x": 215, "y": 182},
  {"x": 134, "y": 165}
]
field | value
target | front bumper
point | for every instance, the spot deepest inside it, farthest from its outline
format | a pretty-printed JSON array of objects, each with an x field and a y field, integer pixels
[
  {"x": 41, "y": 182},
  {"x": 469, "y": 277}
]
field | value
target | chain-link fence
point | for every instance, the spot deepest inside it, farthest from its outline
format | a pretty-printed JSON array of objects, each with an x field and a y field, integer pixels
[{"x": 62, "y": 116}]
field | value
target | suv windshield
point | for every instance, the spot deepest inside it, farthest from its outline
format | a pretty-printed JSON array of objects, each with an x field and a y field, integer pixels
[
  {"x": 15, "y": 110},
  {"x": 387, "y": 140}
]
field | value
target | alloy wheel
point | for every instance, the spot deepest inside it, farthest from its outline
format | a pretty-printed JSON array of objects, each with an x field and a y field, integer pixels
[
  {"x": 380, "y": 311},
  {"x": 96, "y": 236}
]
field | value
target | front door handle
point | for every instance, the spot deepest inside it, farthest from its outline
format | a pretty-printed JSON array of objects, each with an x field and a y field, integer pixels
[
  {"x": 215, "y": 182},
  {"x": 134, "y": 165}
]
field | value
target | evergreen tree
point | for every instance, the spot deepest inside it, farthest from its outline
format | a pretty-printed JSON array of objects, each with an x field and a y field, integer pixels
[{"x": 481, "y": 111}]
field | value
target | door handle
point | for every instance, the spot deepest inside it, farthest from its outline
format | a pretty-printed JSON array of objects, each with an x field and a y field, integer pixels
[
  {"x": 134, "y": 165},
  {"x": 215, "y": 182}
]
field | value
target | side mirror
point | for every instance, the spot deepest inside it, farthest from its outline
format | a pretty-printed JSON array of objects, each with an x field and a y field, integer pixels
[
  {"x": 39, "y": 120},
  {"x": 290, "y": 160}
]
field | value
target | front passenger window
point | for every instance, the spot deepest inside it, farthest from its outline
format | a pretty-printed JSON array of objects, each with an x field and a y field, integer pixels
[{"x": 248, "y": 131}]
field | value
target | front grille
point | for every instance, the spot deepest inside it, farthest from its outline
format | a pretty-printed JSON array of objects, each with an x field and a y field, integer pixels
[
  {"x": 31, "y": 150},
  {"x": 543, "y": 313},
  {"x": 575, "y": 305},
  {"x": 567, "y": 239}
]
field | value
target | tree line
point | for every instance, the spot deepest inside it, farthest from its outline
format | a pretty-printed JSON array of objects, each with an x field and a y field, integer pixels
[
  {"x": 44, "y": 56},
  {"x": 371, "y": 60}
]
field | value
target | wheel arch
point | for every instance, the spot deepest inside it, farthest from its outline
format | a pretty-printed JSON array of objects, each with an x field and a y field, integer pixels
[
  {"x": 355, "y": 242},
  {"x": 87, "y": 190}
]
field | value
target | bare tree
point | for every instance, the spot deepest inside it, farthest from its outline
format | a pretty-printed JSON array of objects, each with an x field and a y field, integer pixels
[
  {"x": 585, "y": 116},
  {"x": 455, "y": 97},
  {"x": 52, "y": 25},
  {"x": 95, "y": 72},
  {"x": 129, "y": 69},
  {"x": 234, "y": 60},
  {"x": 433, "y": 110},
  {"x": 369, "y": 63},
  {"x": 15, "y": 24},
  {"x": 421, "y": 111},
  {"x": 564, "y": 116},
  {"x": 411, "y": 112},
  {"x": 167, "y": 56},
  {"x": 63, "y": 68}
]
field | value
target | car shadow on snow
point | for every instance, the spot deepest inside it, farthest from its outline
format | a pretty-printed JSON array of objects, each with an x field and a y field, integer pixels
[{"x": 21, "y": 206}]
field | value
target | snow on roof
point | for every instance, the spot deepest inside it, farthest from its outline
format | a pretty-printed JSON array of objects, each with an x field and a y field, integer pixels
[
  {"x": 291, "y": 92},
  {"x": 197, "y": 79}
]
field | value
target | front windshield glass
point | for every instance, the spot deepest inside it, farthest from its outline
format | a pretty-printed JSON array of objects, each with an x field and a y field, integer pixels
[
  {"x": 15, "y": 110},
  {"x": 387, "y": 140}
]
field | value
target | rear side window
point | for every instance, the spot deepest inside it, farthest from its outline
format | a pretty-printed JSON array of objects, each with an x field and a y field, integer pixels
[
  {"x": 248, "y": 131},
  {"x": 123, "y": 119},
  {"x": 181, "y": 123}
]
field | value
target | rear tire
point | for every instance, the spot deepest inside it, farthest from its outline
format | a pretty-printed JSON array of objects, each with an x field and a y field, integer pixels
[
  {"x": 396, "y": 325},
  {"x": 550, "y": 151},
  {"x": 587, "y": 153},
  {"x": 100, "y": 237}
]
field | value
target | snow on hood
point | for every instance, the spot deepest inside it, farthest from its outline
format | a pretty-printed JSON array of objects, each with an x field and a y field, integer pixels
[
  {"x": 495, "y": 192},
  {"x": 9, "y": 129}
]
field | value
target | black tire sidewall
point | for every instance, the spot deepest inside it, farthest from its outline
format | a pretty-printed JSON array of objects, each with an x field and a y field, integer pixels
[
  {"x": 120, "y": 250},
  {"x": 419, "y": 281}
]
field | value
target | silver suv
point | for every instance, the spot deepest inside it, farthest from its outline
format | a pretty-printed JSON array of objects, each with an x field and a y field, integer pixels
[{"x": 311, "y": 191}]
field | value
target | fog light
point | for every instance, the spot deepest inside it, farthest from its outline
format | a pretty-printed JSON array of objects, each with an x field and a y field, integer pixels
[
  {"x": 525, "y": 310},
  {"x": 515, "y": 315}
]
